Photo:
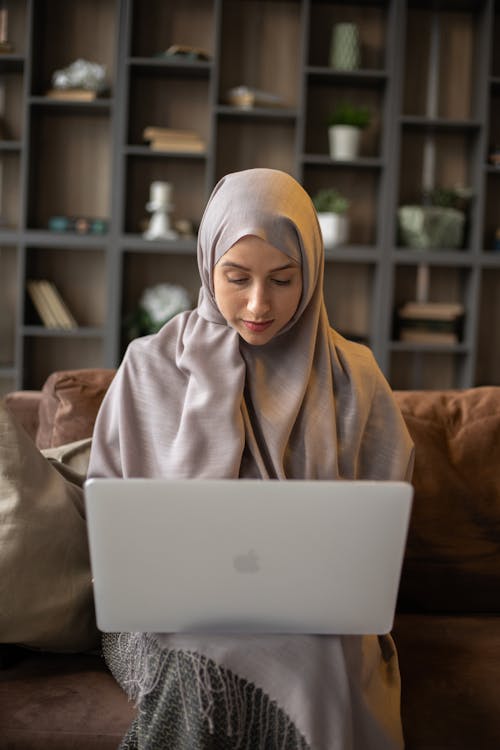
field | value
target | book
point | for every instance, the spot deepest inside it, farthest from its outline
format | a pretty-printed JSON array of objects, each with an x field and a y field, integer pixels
[
  {"x": 431, "y": 310},
  {"x": 53, "y": 311},
  {"x": 422, "y": 336},
  {"x": 152, "y": 131},
  {"x": 76, "y": 95},
  {"x": 162, "y": 144}
]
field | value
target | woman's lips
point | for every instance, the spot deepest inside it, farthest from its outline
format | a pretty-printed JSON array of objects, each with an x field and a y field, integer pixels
[{"x": 257, "y": 327}]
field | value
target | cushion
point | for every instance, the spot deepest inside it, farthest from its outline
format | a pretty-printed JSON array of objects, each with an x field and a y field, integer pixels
[
  {"x": 74, "y": 456},
  {"x": 452, "y": 562},
  {"x": 45, "y": 580},
  {"x": 69, "y": 405}
]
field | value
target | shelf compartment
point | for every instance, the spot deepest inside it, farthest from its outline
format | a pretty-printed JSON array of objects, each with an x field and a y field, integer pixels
[
  {"x": 446, "y": 284},
  {"x": 361, "y": 188},
  {"x": 79, "y": 276},
  {"x": 168, "y": 102},
  {"x": 17, "y": 17},
  {"x": 322, "y": 100},
  {"x": 10, "y": 189},
  {"x": 245, "y": 144},
  {"x": 71, "y": 173},
  {"x": 371, "y": 20},
  {"x": 446, "y": 158},
  {"x": 431, "y": 85},
  {"x": 65, "y": 32},
  {"x": 260, "y": 48},
  {"x": 11, "y": 105},
  {"x": 189, "y": 189},
  {"x": 9, "y": 259},
  {"x": 348, "y": 292},
  {"x": 142, "y": 270},
  {"x": 158, "y": 25},
  {"x": 45, "y": 354},
  {"x": 488, "y": 351}
]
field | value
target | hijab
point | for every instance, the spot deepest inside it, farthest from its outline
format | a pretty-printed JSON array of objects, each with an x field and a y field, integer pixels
[{"x": 196, "y": 400}]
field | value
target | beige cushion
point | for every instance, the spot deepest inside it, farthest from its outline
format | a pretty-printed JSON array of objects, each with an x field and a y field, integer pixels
[
  {"x": 75, "y": 456},
  {"x": 45, "y": 580}
]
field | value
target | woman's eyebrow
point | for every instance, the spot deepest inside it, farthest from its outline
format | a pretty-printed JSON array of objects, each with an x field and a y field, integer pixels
[{"x": 230, "y": 264}]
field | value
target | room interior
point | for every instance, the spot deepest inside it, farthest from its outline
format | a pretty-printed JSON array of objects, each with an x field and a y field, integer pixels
[
  {"x": 428, "y": 74},
  {"x": 229, "y": 85}
]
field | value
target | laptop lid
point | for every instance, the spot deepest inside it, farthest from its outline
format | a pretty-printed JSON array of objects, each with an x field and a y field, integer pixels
[{"x": 246, "y": 556}]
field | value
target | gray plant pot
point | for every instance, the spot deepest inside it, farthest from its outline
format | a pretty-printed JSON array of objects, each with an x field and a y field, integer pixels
[{"x": 431, "y": 227}]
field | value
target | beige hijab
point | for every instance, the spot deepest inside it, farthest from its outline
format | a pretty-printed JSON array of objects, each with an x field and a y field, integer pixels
[{"x": 195, "y": 400}]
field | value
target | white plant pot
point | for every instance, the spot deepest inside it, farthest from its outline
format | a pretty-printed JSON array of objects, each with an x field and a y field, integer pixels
[
  {"x": 344, "y": 142},
  {"x": 334, "y": 228}
]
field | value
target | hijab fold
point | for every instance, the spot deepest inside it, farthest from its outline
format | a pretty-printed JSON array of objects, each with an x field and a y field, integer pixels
[{"x": 195, "y": 400}]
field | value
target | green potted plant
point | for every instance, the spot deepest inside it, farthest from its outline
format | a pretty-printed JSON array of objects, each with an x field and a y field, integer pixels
[
  {"x": 331, "y": 207},
  {"x": 344, "y": 130},
  {"x": 438, "y": 222}
]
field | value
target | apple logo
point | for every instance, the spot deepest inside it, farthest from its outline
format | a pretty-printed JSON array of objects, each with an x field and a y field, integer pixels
[{"x": 247, "y": 562}]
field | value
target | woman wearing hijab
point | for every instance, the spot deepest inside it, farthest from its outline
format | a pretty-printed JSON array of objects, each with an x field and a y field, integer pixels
[{"x": 254, "y": 383}]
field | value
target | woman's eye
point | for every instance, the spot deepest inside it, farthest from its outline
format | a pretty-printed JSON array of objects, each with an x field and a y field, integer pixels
[
  {"x": 236, "y": 281},
  {"x": 282, "y": 282}
]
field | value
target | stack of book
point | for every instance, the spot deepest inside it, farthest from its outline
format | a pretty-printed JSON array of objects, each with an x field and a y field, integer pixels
[
  {"x": 430, "y": 322},
  {"x": 167, "y": 139},
  {"x": 73, "y": 95},
  {"x": 49, "y": 304}
]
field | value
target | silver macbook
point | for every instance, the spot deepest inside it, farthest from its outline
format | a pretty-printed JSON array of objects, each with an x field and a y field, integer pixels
[{"x": 246, "y": 556}]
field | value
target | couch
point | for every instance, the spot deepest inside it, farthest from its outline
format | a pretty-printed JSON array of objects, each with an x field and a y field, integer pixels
[{"x": 447, "y": 625}]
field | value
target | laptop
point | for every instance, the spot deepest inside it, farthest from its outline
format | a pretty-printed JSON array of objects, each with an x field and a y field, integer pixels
[{"x": 246, "y": 556}]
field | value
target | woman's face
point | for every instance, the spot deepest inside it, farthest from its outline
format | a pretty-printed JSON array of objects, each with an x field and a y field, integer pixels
[{"x": 257, "y": 289}]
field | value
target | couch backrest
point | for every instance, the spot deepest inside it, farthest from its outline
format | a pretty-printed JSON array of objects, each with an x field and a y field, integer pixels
[{"x": 452, "y": 561}]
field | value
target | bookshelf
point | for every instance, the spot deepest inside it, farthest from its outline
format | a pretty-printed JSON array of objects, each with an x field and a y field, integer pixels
[{"x": 430, "y": 74}]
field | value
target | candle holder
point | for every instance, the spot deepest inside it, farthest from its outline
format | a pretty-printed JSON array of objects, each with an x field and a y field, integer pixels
[{"x": 160, "y": 206}]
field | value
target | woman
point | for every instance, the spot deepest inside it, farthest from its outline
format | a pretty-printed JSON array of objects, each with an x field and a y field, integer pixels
[{"x": 255, "y": 383}]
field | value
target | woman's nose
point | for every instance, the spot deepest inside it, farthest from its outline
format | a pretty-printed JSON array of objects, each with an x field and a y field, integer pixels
[{"x": 258, "y": 301}]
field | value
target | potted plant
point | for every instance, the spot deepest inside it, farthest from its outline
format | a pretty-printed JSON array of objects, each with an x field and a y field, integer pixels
[
  {"x": 344, "y": 130},
  {"x": 331, "y": 208},
  {"x": 438, "y": 222}
]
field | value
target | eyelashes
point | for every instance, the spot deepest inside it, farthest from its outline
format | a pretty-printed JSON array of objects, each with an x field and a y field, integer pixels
[{"x": 278, "y": 282}]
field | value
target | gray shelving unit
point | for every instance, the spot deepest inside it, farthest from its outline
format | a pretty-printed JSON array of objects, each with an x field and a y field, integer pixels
[{"x": 430, "y": 72}]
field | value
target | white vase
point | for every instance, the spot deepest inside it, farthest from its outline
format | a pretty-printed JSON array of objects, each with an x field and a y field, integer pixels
[
  {"x": 344, "y": 141},
  {"x": 334, "y": 228}
]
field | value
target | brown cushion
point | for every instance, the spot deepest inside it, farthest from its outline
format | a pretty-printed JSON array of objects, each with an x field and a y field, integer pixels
[
  {"x": 46, "y": 596},
  {"x": 452, "y": 563},
  {"x": 69, "y": 405},
  {"x": 25, "y": 407},
  {"x": 449, "y": 681}
]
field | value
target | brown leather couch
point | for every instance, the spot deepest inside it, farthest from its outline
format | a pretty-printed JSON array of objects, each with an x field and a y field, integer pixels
[{"x": 447, "y": 626}]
